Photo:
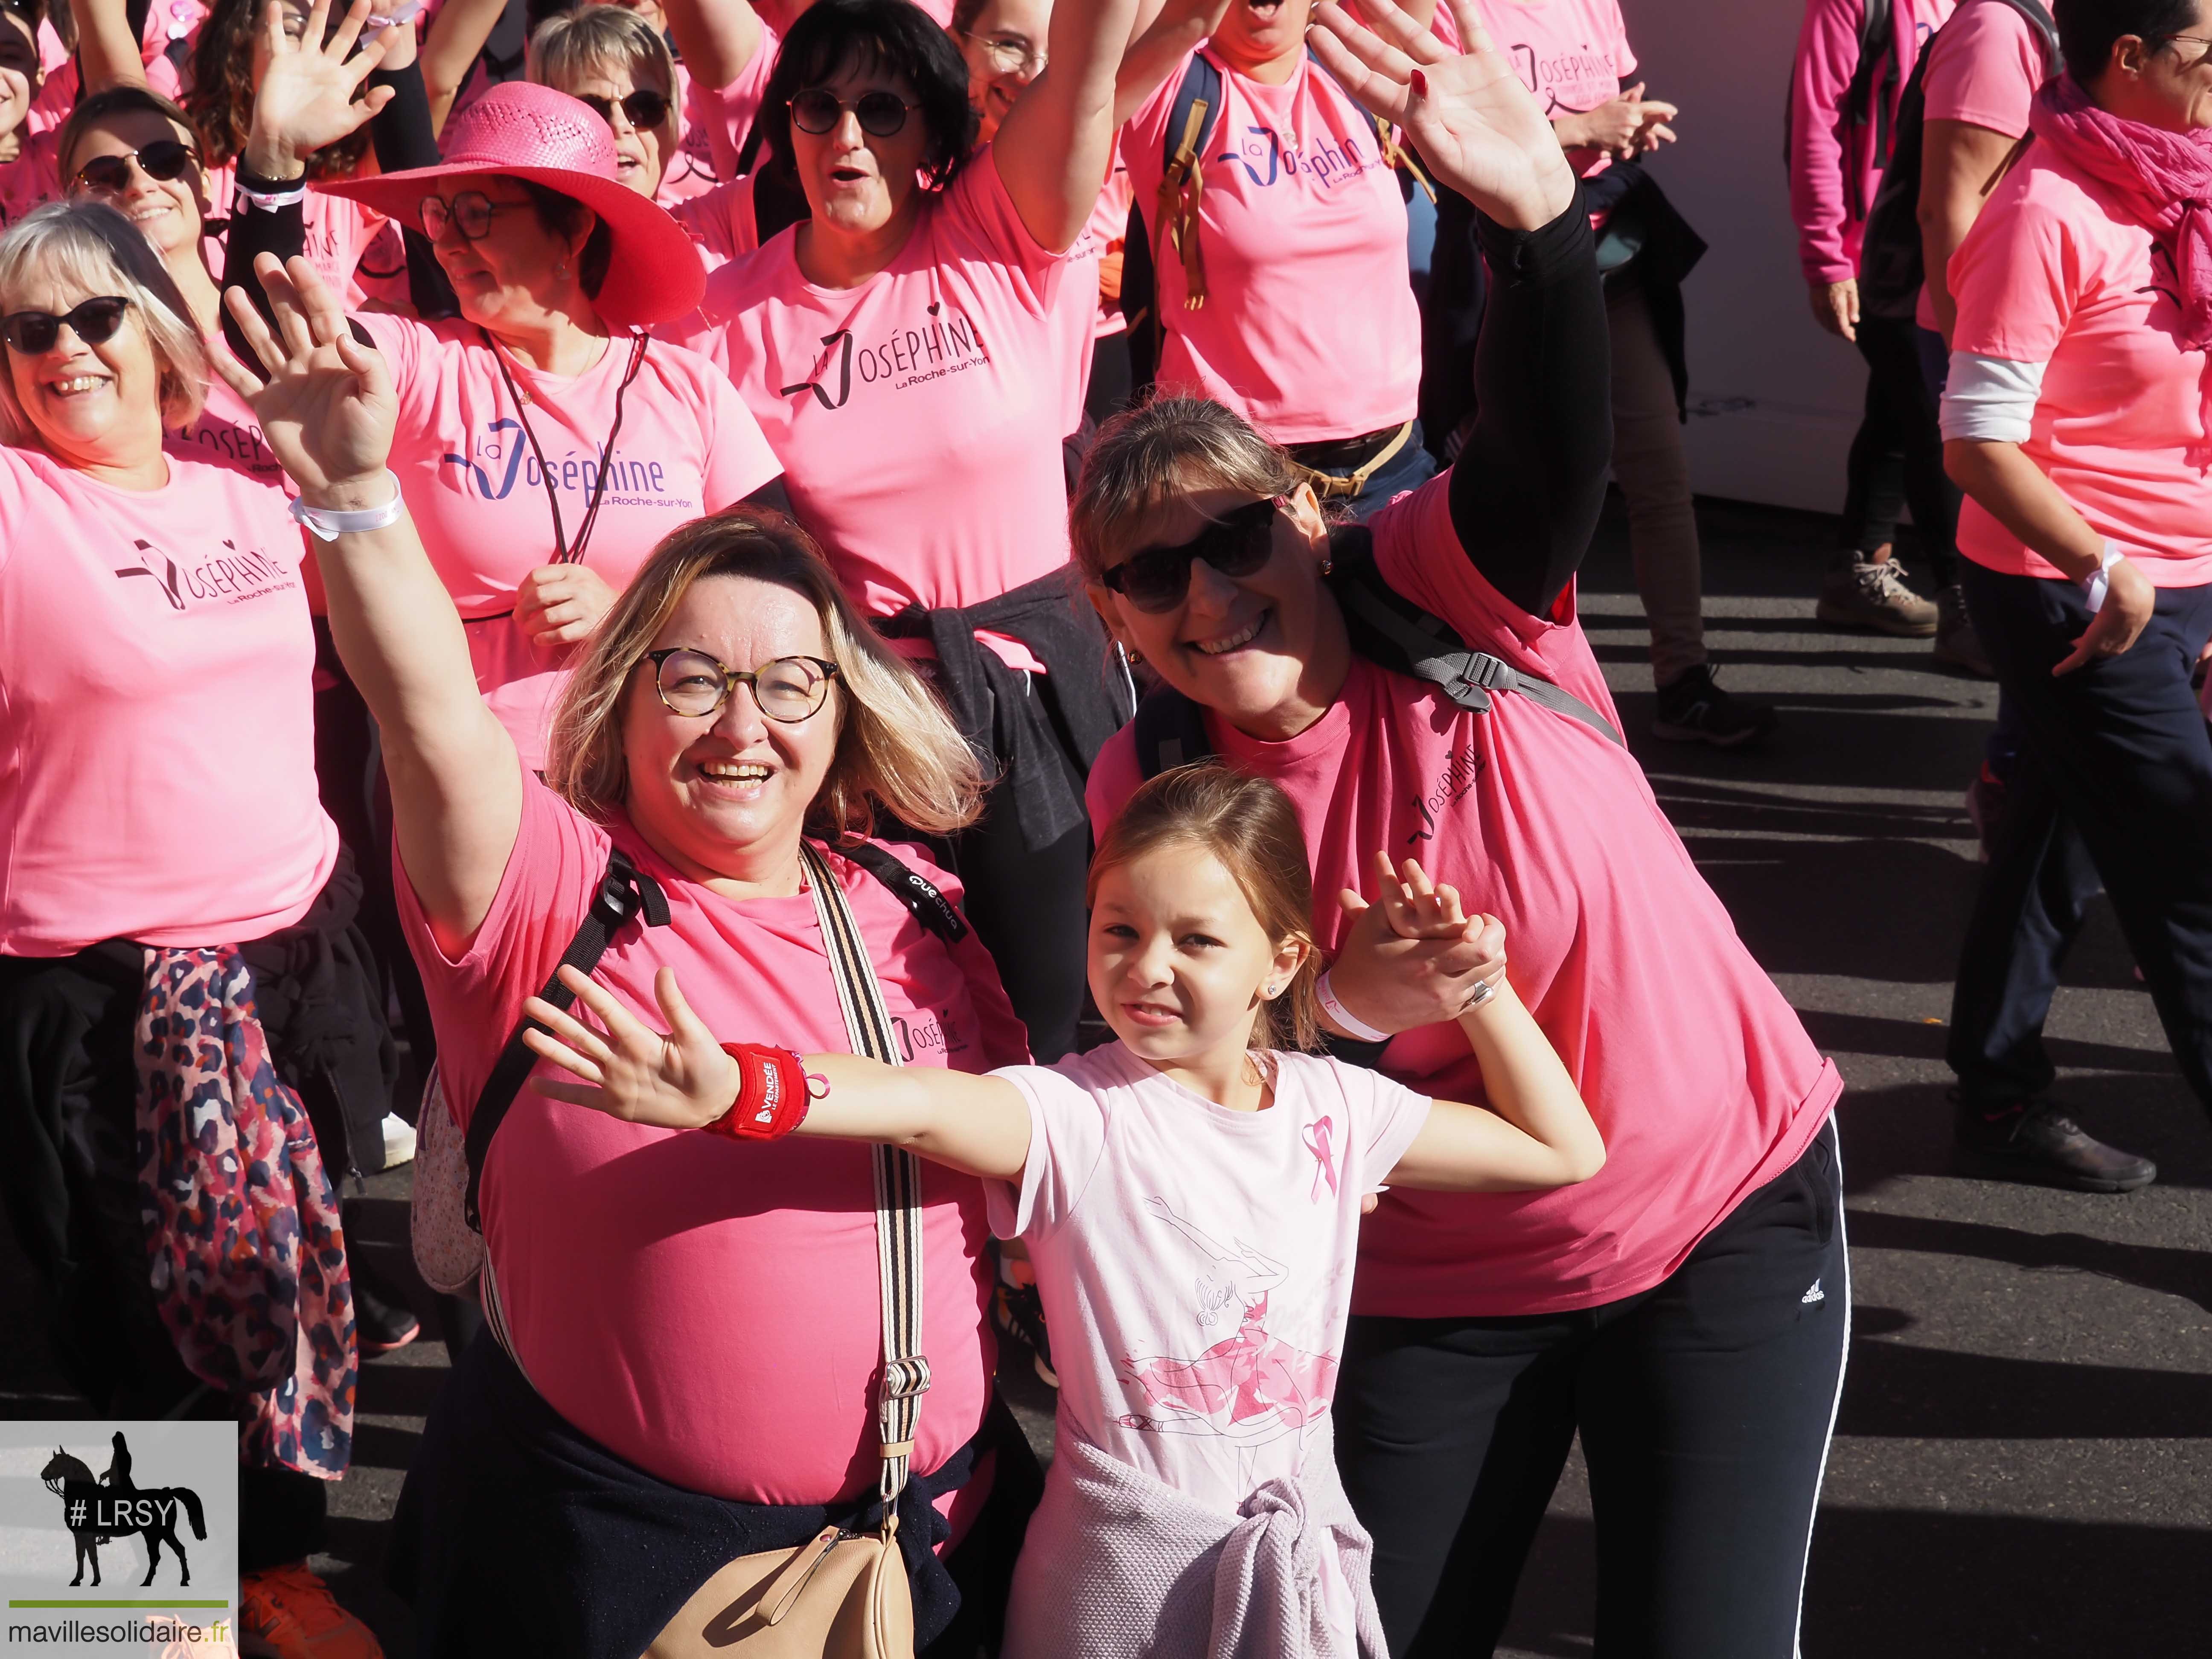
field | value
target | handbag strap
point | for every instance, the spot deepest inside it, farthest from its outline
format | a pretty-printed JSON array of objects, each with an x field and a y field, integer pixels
[{"x": 898, "y": 1190}]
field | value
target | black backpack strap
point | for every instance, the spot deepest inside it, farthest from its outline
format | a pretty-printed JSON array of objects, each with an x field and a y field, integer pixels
[
  {"x": 625, "y": 891},
  {"x": 910, "y": 888},
  {"x": 1170, "y": 731},
  {"x": 1390, "y": 629}
]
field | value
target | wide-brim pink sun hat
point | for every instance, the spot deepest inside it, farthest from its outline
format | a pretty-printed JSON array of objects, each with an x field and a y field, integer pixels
[{"x": 528, "y": 131}]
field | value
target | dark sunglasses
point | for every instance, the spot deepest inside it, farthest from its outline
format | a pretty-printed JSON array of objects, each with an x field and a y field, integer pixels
[
  {"x": 163, "y": 161},
  {"x": 817, "y": 109},
  {"x": 472, "y": 211},
  {"x": 645, "y": 107},
  {"x": 1235, "y": 544},
  {"x": 33, "y": 333}
]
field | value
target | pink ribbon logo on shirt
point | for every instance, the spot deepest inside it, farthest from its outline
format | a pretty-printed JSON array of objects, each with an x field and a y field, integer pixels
[{"x": 1317, "y": 1140}]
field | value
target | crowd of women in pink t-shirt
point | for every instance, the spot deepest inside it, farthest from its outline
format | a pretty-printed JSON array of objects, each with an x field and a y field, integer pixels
[{"x": 799, "y": 646}]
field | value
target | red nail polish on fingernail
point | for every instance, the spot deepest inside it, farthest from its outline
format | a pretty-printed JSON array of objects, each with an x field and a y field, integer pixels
[{"x": 1420, "y": 84}]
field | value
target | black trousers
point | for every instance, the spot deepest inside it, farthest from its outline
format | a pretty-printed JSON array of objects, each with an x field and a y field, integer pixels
[
  {"x": 1900, "y": 422},
  {"x": 1705, "y": 1405},
  {"x": 2113, "y": 783}
]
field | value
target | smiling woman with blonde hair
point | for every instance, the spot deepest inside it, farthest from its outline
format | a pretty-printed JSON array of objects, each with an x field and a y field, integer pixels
[{"x": 684, "y": 1339}]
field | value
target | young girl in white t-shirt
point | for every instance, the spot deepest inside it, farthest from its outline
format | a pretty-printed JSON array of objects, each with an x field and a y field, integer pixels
[{"x": 1190, "y": 1196}]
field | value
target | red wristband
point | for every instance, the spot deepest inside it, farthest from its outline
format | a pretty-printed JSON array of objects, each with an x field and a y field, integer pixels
[{"x": 772, "y": 1098}]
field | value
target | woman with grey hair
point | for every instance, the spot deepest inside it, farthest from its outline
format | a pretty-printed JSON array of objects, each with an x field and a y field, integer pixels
[{"x": 176, "y": 916}]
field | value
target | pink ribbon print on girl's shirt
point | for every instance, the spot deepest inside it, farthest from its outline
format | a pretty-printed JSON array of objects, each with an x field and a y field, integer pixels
[{"x": 1317, "y": 1142}]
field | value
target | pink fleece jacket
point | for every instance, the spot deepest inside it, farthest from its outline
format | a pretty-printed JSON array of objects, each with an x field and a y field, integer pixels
[{"x": 1829, "y": 191}]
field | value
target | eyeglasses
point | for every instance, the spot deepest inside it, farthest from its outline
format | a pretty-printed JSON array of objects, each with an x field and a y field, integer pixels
[
  {"x": 163, "y": 161},
  {"x": 694, "y": 684},
  {"x": 93, "y": 321},
  {"x": 1235, "y": 544},
  {"x": 1010, "y": 54},
  {"x": 644, "y": 108},
  {"x": 817, "y": 110},
  {"x": 471, "y": 211},
  {"x": 2194, "y": 40}
]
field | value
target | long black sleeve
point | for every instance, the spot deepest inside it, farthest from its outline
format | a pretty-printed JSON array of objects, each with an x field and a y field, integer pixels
[
  {"x": 254, "y": 230},
  {"x": 405, "y": 138},
  {"x": 1527, "y": 490}
]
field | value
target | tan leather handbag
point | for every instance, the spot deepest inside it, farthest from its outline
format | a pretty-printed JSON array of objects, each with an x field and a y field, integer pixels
[{"x": 841, "y": 1596}]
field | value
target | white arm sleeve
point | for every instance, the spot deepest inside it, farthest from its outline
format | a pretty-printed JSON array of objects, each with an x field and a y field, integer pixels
[{"x": 1990, "y": 398}]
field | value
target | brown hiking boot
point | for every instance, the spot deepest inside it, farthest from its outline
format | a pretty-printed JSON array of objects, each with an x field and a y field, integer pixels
[{"x": 1860, "y": 594}]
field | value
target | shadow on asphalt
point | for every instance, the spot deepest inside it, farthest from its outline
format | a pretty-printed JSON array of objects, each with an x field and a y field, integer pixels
[{"x": 1908, "y": 1584}]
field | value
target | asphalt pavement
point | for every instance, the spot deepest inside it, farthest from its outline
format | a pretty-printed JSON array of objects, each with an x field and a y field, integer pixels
[{"x": 2023, "y": 1458}]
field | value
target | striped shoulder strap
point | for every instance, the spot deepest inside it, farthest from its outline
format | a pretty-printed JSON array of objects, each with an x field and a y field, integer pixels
[{"x": 899, "y": 1189}]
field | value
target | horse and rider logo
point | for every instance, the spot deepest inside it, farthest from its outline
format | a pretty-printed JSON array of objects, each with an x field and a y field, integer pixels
[{"x": 99, "y": 1510}]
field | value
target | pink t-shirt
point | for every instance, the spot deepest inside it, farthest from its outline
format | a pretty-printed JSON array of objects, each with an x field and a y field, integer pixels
[
  {"x": 1985, "y": 69},
  {"x": 32, "y": 179},
  {"x": 477, "y": 494},
  {"x": 919, "y": 417},
  {"x": 1551, "y": 827},
  {"x": 1572, "y": 54},
  {"x": 157, "y": 762},
  {"x": 1195, "y": 1263},
  {"x": 2052, "y": 272},
  {"x": 709, "y": 1309},
  {"x": 228, "y": 434},
  {"x": 1109, "y": 230},
  {"x": 717, "y": 118},
  {"x": 721, "y": 222},
  {"x": 1299, "y": 211}
]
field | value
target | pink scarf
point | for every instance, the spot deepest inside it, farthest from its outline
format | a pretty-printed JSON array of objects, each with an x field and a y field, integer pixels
[{"x": 2160, "y": 180}]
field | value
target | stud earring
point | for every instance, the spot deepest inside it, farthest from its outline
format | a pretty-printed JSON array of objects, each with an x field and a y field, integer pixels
[{"x": 562, "y": 269}]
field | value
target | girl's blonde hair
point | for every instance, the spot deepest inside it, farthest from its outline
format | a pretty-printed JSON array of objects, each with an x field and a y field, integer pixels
[
  {"x": 599, "y": 40},
  {"x": 1164, "y": 448},
  {"x": 896, "y": 744},
  {"x": 90, "y": 246},
  {"x": 1250, "y": 825}
]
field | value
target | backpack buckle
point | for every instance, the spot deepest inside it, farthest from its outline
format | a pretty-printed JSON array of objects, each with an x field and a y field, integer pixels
[{"x": 1479, "y": 674}]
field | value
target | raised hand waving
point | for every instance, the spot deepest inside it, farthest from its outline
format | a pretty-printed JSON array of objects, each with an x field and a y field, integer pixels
[
  {"x": 1476, "y": 125},
  {"x": 305, "y": 97}
]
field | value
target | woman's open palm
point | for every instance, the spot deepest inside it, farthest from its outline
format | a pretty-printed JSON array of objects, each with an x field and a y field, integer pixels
[
  {"x": 1476, "y": 125},
  {"x": 305, "y": 96},
  {"x": 328, "y": 410}
]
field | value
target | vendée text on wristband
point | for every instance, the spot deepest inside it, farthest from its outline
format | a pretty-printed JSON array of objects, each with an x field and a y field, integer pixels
[{"x": 772, "y": 1093}]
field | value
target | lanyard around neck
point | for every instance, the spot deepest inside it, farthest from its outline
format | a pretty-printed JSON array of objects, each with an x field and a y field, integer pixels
[{"x": 562, "y": 553}]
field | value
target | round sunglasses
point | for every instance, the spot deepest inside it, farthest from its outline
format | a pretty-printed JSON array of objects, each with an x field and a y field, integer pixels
[
  {"x": 1237, "y": 543},
  {"x": 818, "y": 111},
  {"x": 788, "y": 690},
  {"x": 643, "y": 109},
  {"x": 164, "y": 161},
  {"x": 93, "y": 321}
]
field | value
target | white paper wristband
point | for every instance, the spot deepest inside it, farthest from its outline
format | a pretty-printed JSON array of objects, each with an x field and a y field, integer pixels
[
  {"x": 270, "y": 200},
  {"x": 328, "y": 524},
  {"x": 2099, "y": 582},
  {"x": 406, "y": 12},
  {"x": 1336, "y": 1011}
]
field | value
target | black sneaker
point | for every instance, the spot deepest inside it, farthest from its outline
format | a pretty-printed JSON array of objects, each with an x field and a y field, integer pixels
[
  {"x": 2033, "y": 1140},
  {"x": 1695, "y": 710},
  {"x": 1018, "y": 1313},
  {"x": 379, "y": 1326}
]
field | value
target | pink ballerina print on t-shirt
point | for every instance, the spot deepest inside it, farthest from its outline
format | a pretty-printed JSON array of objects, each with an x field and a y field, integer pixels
[{"x": 1249, "y": 1387}]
